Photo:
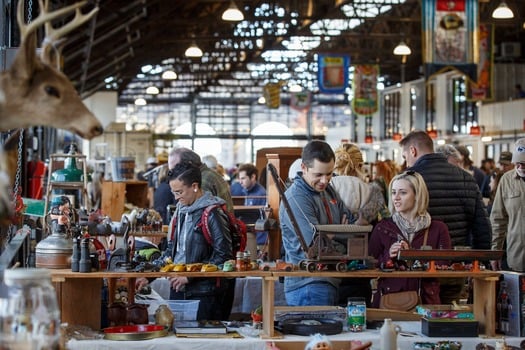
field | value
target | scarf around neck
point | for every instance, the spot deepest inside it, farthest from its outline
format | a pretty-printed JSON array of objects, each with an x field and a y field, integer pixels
[{"x": 409, "y": 229}]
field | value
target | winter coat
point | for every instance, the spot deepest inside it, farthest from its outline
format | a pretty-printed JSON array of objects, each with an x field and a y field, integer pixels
[
  {"x": 385, "y": 234},
  {"x": 361, "y": 198},
  {"x": 455, "y": 199},
  {"x": 508, "y": 219}
]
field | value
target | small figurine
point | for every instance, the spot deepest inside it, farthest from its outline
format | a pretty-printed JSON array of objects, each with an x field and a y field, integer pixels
[
  {"x": 318, "y": 342},
  {"x": 60, "y": 212}
]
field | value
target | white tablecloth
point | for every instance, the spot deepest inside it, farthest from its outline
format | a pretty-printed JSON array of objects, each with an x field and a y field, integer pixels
[{"x": 174, "y": 343}]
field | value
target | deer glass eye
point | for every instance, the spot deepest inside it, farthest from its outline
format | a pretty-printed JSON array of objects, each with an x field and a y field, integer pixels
[{"x": 52, "y": 91}]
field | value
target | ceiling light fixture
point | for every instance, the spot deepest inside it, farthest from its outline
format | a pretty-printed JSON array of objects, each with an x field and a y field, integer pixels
[
  {"x": 169, "y": 75},
  {"x": 232, "y": 14},
  {"x": 502, "y": 12},
  {"x": 402, "y": 49},
  {"x": 140, "y": 102},
  {"x": 152, "y": 90},
  {"x": 193, "y": 51}
]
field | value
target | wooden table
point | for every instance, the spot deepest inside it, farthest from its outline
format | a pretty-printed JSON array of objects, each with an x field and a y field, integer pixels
[{"x": 79, "y": 293}]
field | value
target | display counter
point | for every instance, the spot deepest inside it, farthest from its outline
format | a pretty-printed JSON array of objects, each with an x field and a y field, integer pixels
[
  {"x": 410, "y": 334},
  {"x": 79, "y": 293}
]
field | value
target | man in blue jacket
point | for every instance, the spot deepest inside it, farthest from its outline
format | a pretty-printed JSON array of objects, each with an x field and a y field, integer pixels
[
  {"x": 455, "y": 199},
  {"x": 313, "y": 202}
]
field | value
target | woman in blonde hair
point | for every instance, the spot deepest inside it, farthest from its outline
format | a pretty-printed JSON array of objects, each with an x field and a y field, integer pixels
[
  {"x": 410, "y": 227},
  {"x": 364, "y": 200}
]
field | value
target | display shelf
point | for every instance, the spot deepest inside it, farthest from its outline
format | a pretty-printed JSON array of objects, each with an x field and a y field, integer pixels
[
  {"x": 115, "y": 194},
  {"x": 72, "y": 286}
]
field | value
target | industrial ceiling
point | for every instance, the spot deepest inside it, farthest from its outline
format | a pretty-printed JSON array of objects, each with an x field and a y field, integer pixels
[{"x": 128, "y": 44}]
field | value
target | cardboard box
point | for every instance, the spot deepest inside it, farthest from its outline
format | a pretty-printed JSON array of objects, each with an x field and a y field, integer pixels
[
  {"x": 510, "y": 317},
  {"x": 448, "y": 327}
]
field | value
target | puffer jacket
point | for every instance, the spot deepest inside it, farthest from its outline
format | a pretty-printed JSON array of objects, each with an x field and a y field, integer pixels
[
  {"x": 198, "y": 250},
  {"x": 385, "y": 234},
  {"x": 456, "y": 200},
  {"x": 309, "y": 209}
]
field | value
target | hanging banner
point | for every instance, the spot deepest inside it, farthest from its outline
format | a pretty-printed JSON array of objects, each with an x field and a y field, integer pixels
[
  {"x": 365, "y": 100},
  {"x": 481, "y": 90},
  {"x": 300, "y": 101},
  {"x": 332, "y": 73},
  {"x": 450, "y": 36},
  {"x": 272, "y": 94}
]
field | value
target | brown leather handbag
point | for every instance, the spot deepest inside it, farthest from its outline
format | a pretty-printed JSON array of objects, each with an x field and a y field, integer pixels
[{"x": 401, "y": 301}]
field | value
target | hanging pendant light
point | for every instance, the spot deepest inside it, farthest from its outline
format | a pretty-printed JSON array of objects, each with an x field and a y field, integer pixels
[
  {"x": 502, "y": 11},
  {"x": 169, "y": 75},
  {"x": 402, "y": 49},
  {"x": 152, "y": 90},
  {"x": 232, "y": 14},
  {"x": 193, "y": 51}
]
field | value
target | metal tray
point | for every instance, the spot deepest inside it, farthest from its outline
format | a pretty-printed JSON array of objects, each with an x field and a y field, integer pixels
[{"x": 135, "y": 332}]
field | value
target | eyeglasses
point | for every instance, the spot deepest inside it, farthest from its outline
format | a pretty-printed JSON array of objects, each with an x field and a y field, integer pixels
[{"x": 177, "y": 193}]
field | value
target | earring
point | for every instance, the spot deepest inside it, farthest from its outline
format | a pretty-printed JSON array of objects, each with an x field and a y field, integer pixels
[{"x": 194, "y": 190}]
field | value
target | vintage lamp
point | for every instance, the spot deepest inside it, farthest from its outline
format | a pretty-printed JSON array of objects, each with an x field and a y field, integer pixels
[{"x": 70, "y": 172}]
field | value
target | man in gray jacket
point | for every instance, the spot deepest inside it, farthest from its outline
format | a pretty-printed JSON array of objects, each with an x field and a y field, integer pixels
[
  {"x": 508, "y": 214},
  {"x": 313, "y": 202},
  {"x": 454, "y": 198}
]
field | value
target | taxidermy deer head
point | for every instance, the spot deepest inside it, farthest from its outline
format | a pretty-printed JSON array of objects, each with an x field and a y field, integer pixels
[{"x": 33, "y": 91}]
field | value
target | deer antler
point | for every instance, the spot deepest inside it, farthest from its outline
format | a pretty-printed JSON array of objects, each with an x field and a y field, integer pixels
[
  {"x": 51, "y": 43},
  {"x": 45, "y": 18}
]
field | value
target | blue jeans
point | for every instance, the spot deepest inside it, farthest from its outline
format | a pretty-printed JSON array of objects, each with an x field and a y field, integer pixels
[{"x": 322, "y": 293}]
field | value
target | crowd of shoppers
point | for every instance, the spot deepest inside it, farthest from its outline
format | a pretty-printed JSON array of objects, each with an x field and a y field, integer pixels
[{"x": 408, "y": 208}]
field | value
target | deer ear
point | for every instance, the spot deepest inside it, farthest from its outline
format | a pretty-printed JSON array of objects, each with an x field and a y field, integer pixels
[{"x": 26, "y": 61}]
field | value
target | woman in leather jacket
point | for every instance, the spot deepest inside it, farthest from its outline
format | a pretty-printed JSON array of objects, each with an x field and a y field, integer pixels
[{"x": 410, "y": 227}]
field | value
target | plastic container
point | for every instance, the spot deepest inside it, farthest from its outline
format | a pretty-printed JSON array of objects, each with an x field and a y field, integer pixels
[
  {"x": 29, "y": 316},
  {"x": 184, "y": 310},
  {"x": 356, "y": 311}
]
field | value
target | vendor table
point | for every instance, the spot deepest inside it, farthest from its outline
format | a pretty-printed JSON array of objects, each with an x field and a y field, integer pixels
[
  {"x": 289, "y": 342},
  {"x": 79, "y": 293}
]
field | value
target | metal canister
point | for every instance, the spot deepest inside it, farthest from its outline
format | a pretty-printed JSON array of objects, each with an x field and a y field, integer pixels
[{"x": 356, "y": 314}]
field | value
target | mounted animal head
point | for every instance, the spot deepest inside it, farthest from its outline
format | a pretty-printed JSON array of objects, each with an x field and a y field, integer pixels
[{"x": 33, "y": 91}]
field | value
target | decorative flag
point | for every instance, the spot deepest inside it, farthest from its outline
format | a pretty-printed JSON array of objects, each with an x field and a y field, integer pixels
[
  {"x": 450, "y": 36},
  {"x": 365, "y": 100},
  {"x": 272, "y": 94},
  {"x": 333, "y": 73},
  {"x": 300, "y": 101},
  {"x": 481, "y": 90}
]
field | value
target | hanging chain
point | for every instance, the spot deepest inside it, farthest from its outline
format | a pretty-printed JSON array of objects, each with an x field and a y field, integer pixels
[
  {"x": 18, "y": 165},
  {"x": 29, "y": 10}
]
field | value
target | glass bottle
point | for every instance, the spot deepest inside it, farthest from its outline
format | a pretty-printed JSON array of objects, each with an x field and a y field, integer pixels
[
  {"x": 29, "y": 316},
  {"x": 239, "y": 262}
]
